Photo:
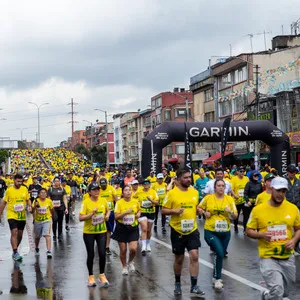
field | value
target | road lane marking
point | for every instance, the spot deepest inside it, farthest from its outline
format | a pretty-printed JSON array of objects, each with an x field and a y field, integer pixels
[{"x": 225, "y": 272}]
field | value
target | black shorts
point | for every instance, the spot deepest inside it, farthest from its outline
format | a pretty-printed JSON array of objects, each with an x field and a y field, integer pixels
[
  {"x": 149, "y": 216},
  {"x": 20, "y": 225},
  {"x": 125, "y": 234},
  {"x": 180, "y": 242}
]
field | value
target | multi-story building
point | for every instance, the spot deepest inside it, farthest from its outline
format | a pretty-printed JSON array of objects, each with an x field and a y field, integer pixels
[
  {"x": 118, "y": 139},
  {"x": 90, "y": 134},
  {"x": 172, "y": 106},
  {"x": 79, "y": 137},
  {"x": 107, "y": 140}
]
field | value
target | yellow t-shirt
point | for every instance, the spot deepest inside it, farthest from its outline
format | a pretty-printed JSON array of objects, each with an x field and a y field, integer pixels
[
  {"x": 263, "y": 174},
  {"x": 262, "y": 198},
  {"x": 43, "y": 213},
  {"x": 122, "y": 206},
  {"x": 186, "y": 222},
  {"x": 219, "y": 220},
  {"x": 292, "y": 181},
  {"x": 16, "y": 202},
  {"x": 152, "y": 179},
  {"x": 238, "y": 187},
  {"x": 119, "y": 193},
  {"x": 280, "y": 221},
  {"x": 96, "y": 224},
  {"x": 146, "y": 205},
  {"x": 161, "y": 190},
  {"x": 68, "y": 191},
  {"x": 172, "y": 174},
  {"x": 109, "y": 194}
]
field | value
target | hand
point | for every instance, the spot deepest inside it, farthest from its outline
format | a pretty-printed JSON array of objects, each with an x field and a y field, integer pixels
[
  {"x": 227, "y": 209},
  {"x": 138, "y": 215},
  {"x": 29, "y": 208},
  {"x": 236, "y": 197},
  {"x": 290, "y": 245},
  {"x": 129, "y": 211},
  {"x": 267, "y": 236},
  {"x": 66, "y": 211},
  {"x": 249, "y": 203},
  {"x": 107, "y": 217},
  {"x": 95, "y": 210},
  {"x": 149, "y": 198},
  {"x": 178, "y": 211},
  {"x": 207, "y": 214},
  {"x": 200, "y": 211}
]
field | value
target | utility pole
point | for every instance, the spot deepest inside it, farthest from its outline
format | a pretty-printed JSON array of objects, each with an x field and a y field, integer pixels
[
  {"x": 187, "y": 109},
  {"x": 72, "y": 113},
  {"x": 256, "y": 143}
]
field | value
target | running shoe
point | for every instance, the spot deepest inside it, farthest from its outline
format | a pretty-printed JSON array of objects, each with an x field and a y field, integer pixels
[
  {"x": 60, "y": 238},
  {"x": 196, "y": 292},
  {"x": 37, "y": 252},
  {"x": 125, "y": 271},
  {"x": 103, "y": 280},
  {"x": 73, "y": 213},
  {"x": 144, "y": 251},
  {"x": 155, "y": 228},
  {"x": 164, "y": 231},
  {"x": 54, "y": 238},
  {"x": 236, "y": 230},
  {"x": 148, "y": 248},
  {"x": 264, "y": 294},
  {"x": 91, "y": 281},
  {"x": 49, "y": 254},
  {"x": 17, "y": 257},
  {"x": 67, "y": 228},
  {"x": 177, "y": 290},
  {"x": 131, "y": 267},
  {"x": 108, "y": 252},
  {"x": 218, "y": 284}
]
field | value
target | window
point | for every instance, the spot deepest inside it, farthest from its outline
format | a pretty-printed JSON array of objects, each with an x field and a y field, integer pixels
[
  {"x": 117, "y": 155},
  {"x": 158, "y": 102},
  {"x": 209, "y": 117},
  {"x": 181, "y": 112},
  {"x": 240, "y": 75},
  {"x": 168, "y": 115},
  {"x": 169, "y": 150},
  {"x": 225, "y": 108},
  {"x": 239, "y": 103},
  {"x": 117, "y": 143},
  {"x": 158, "y": 119},
  {"x": 82, "y": 140},
  {"x": 224, "y": 81},
  {"x": 180, "y": 149},
  {"x": 207, "y": 95},
  {"x": 153, "y": 104}
]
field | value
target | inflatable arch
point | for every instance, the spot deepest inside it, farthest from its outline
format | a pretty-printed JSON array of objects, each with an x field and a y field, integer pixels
[{"x": 169, "y": 132}]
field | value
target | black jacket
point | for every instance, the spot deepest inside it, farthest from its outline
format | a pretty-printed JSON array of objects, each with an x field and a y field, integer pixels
[
  {"x": 293, "y": 194},
  {"x": 252, "y": 189}
]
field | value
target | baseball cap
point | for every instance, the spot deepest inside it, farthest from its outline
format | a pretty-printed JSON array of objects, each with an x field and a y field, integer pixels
[
  {"x": 291, "y": 168},
  {"x": 160, "y": 176},
  {"x": 269, "y": 176},
  {"x": 241, "y": 168},
  {"x": 146, "y": 181},
  {"x": 93, "y": 186},
  {"x": 103, "y": 181},
  {"x": 279, "y": 183},
  {"x": 134, "y": 182}
]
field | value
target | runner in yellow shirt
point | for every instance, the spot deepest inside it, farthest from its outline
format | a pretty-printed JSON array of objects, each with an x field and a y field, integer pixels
[
  {"x": 181, "y": 203},
  {"x": 218, "y": 208},
  {"x": 161, "y": 189},
  {"x": 16, "y": 198},
  {"x": 276, "y": 225},
  {"x": 94, "y": 212},
  {"x": 265, "y": 195},
  {"x": 43, "y": 210}
]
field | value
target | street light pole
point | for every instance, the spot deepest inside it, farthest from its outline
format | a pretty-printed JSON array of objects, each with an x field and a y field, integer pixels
[
  {"x": 106, "y": 132},
  {"x": 39, "y": 127}
]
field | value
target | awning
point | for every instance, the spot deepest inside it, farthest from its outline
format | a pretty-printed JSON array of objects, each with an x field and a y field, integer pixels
[
  {"x": 213, "y": 158},
  {"x": 264, "y": 156},
  {"x": 245, "y": 156},
  {"x": 173, "y": 160}
]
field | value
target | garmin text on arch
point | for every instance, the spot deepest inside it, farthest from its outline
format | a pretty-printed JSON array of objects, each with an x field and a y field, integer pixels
[{"x": 215, "y": 131}]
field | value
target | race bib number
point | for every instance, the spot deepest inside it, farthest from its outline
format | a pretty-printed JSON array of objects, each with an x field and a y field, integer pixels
[
  {"x": 187, "y": 225},
  {"x": 128, "y": 220},
  {"x": 241, "y": 193},
  {"x": 18, "y": 207},
  {"x": 42, "y": 210},
  {"x": 160, "y": 192},
  {"x": 221, "y": 226},
  {"x": 146, "y": 203},
  {"x": 98, "y": 219},
  {"x": 56, "y": 203},
  {"x": 279, "y": 232},
  {"x": 34, "y": 194}
]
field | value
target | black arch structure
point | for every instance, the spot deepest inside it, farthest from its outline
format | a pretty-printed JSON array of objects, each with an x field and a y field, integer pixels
[{"x": 211, "y": 132}]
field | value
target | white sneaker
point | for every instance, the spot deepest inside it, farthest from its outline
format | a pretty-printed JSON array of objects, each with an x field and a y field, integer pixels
[
  {"x": 125, "y": 271},
  {"x": 131, "y": 267},
  {"x": 148, "y": 248},
  {"x": 218, "y": 284},
  {"x": 73, "y": 213}
]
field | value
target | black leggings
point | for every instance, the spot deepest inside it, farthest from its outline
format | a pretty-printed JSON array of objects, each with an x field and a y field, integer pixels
[
  {"x": 163, "y": 217},
  {"x": 247, "y": 212},
  {"x": 89, "y": 240},
  {"x": 58, "y": 219},
  {"x": 68, "y": 214}
]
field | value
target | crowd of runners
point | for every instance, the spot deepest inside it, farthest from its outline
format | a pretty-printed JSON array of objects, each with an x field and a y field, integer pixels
[{"x": 120, "y": 204}]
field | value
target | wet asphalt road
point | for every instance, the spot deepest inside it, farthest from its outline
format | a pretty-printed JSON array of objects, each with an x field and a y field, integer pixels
[{"x": 64, "y": 277}]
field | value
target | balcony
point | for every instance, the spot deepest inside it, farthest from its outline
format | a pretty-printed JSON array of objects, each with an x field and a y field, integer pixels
[
  {"x": 133, "y": 156},
  {"x": 132, "y": 129},
  {"x": 147, "y": 124},
  {"x": 132, "y": 144}
]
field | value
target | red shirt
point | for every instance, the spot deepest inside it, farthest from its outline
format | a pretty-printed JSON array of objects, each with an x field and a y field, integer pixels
[{"x": 128, "y": 180}]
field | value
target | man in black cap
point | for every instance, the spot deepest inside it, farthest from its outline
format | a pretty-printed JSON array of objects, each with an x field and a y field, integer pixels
[{"x": 293, "y": 193}]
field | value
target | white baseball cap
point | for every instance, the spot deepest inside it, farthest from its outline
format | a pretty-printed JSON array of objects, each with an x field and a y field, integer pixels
[
  {"x": 160, "y": 176},
  {"x": 134, "y": 182},
  {"x": 279, "y": 183}
]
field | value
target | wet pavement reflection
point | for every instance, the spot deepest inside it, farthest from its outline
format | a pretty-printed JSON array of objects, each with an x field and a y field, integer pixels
[{"x": 65, "y": 276}]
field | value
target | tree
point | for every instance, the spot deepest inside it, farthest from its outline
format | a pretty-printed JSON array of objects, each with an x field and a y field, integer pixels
[
  {"x": 99, "y": 154},
  {"x": 82, "y": 150},
  {"x": 4, "y": 154},
  {"x": 21, "y": 145}
]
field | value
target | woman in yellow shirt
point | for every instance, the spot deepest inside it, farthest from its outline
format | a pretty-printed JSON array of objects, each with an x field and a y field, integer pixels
[
  {"x": 127, "y": 213},
  {"x": 218, "y": 208},
  {"x": 94, "y": 212}
]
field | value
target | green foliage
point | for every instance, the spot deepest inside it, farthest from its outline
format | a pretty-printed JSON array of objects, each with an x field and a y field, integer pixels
[
  {"x": 4, "y": 154},
  {"x": 99, "y": 154},
  {"x": 82, "y": 150},
  {"x": 21, "y": 145}
]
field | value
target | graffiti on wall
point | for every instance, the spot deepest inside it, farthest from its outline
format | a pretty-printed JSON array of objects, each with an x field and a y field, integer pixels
[{"x": 268, "y": 80}]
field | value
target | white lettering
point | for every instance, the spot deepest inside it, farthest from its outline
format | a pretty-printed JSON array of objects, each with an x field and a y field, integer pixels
[
  {"x": 243, "y": 131},
  {"x": 204, "y": 132},
  {"x": 284, "y": 162},
  {"x": 215, "y": 131}
]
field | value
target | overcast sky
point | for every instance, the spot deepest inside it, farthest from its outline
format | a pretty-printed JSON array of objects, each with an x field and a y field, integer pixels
[{"x": 115, "y": 55}]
